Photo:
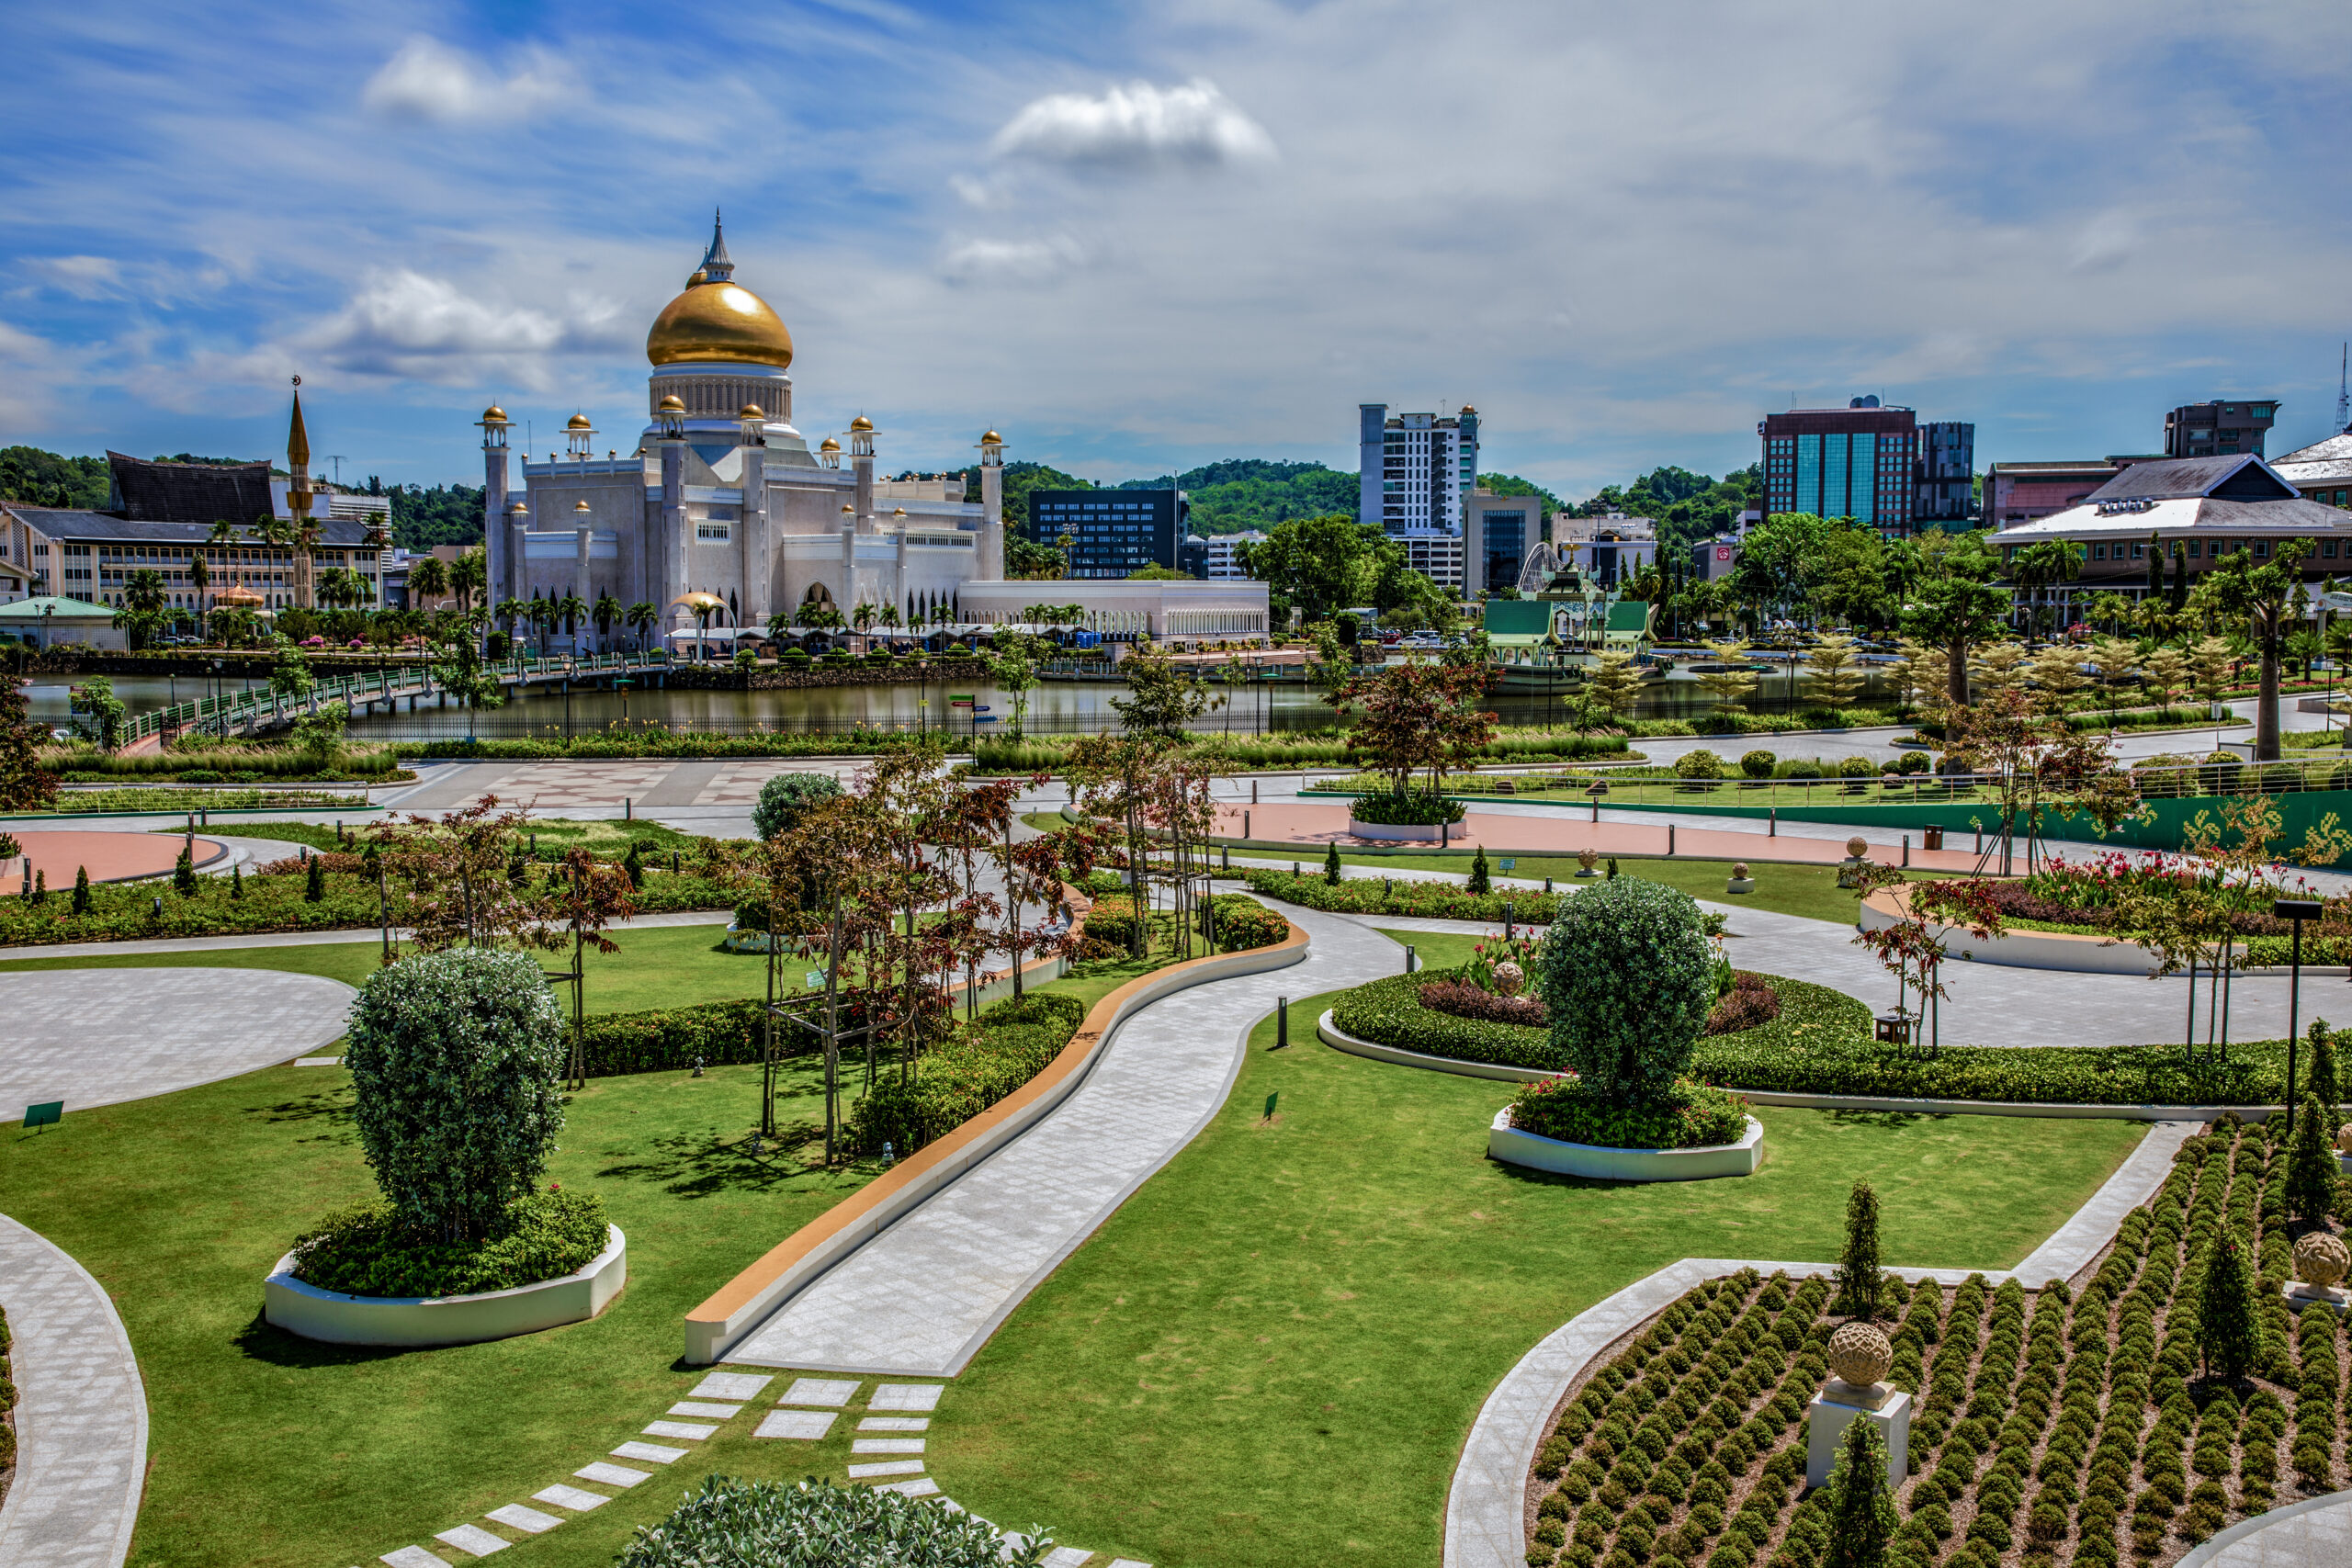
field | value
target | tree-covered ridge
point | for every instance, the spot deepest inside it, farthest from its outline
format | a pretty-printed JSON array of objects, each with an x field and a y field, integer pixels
[
  {"x": 1237, "y": 494},
  {"x": 37, "y": 478},
  {"x": 445, "y": 514},
  {"x": 1512, "y": 484},
  {"x": 1687, "y": 507}
]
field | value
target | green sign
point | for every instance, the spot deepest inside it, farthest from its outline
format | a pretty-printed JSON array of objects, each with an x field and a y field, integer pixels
[
  {"x": 1270, "y": 1104},
  {"x": 815, "y": 977},
  {"x": 45, "y": 1115},
  {"x": 959, "y": 699},
  {"x": 1508, "y": 863}
]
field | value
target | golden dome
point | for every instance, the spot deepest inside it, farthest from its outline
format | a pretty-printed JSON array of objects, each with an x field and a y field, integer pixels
[
  {"x": 750, "y": 411},
  {"x": 492, "y": 416},
  {"x": 579, "y": 506},
  {"x": 991, "y": 438},
  {"x": 861, "y": 423},
  {"x": 829, "y": 445},
  {"x": 672, "y": 404},
  {"x": 898, "y": 512},
  {"x": 578, "y": 421},
  {"x": 719, "y": 324}
]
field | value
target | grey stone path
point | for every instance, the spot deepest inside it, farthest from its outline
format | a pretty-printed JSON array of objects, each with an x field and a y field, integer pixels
[
  {"x": 923, "y": 1296},
  {"x": 302, "y": 939},
  {"x": 1486, "y": 1505},
  {"x": 1991, "y": 1004},
  {"x": 100, "y": 1036},
  {"x": 81, "y": 1412},
  {"x": 2314, "y": 1533}
]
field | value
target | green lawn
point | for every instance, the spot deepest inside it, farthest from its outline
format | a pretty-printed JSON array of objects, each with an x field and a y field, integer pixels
[{"x": 1271, "y": 1355}]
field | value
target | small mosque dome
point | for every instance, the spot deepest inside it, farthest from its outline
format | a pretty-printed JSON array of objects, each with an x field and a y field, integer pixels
[{"x": 862, "y": 424}]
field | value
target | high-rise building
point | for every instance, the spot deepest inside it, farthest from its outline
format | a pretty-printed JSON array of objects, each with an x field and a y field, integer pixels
[
  {"x": 1116, "y": 532},
  {"x": 1496, "y": 533},
  {"x": 2219, "y": 428},
  {"x": 1416, "y": 469},
  {"x": 1858, "y": 461},
  {"x": 1947, "y": 488},
  {"x": 1224, "y": 552}
]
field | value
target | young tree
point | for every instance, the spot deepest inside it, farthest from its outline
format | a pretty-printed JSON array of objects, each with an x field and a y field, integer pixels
[
  {"x": 1860, "y": 1281},
  {"x": 2165, "y": 673},
  {"x": 2057, "y": 673},
  {"x": 1481, "y": 879},
  {"x": 2228, "y": 1337},
  {"x": 1836, "y": 678},
  {"x": 1731, "y": 684},
  {"x": 1615, "y": 682},
  {"x": 2210, "y": 663},
  {"x": 2312, "y": 1176},
  {"x": 2264, "y": 599},
  {"x": 584, "y": 897},
  {"x": 1861, "y": 1504},
  {"x": 1954, "y": 604},
  {"x": 452, "y": 866},
  {"x": 25, "y": 783},
  {"x": 1163, "y": 697},
  {"x": 1419, "y": 719}
]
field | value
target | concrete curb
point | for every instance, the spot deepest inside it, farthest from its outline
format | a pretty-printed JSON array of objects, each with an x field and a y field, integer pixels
[{"x": 334, "y": 1319}]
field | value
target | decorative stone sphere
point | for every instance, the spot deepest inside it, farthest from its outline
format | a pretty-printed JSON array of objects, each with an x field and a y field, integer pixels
[
  {"x": 1510, "y": 978},
  {"x": 1739, "y": 871},
  {"x": 1854, "y": 847},
  {"x": 2320, "y": 1259},
  {"x": 1858, "y": 1354},
  {"x": 2344, "y": 1139}
]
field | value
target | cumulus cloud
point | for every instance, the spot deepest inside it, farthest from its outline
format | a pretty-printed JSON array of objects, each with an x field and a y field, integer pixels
[
  {"x": 402, "y": 322},
  {"x": 1136, "y": 126},
  {"x": 428, "y": 80},
  {"x": 1011, "y": 261}
]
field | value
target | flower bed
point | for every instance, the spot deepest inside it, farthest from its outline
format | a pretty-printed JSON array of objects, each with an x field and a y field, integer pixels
[
  {"x": 2051, "y": 1426},
  {"x": 1821, "y": 1043},
  {"x": 1418, "y": 809},
  {"x": 1694, "y": 1117},
  {"x": 2090, "y": 897},
  {"x": 365, "y": 1251},
  {"x": 8, "y": 1412}
]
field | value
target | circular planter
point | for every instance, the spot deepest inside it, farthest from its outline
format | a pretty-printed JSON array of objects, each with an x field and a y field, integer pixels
[
  {"x": 339, "y": 1319},
  {"x": 738, "y": 940},
  {"x": 1408, "y": 832},
  {"x": 1508, "y": 1143}
]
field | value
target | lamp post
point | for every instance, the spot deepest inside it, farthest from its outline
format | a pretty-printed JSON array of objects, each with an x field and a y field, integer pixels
[{"x": 2298, "y": 910}]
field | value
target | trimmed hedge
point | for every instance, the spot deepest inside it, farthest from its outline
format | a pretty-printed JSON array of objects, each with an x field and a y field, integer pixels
[
  {"x": 1364, "y": 894},
  {"x": 819, "y": 1524},
  {"x": 1821, "y": 1043},
  {"x": 1688, "y": 1116},
  {"x": 366, "y": 1250},
  {"x": 956, "y": 1080}
]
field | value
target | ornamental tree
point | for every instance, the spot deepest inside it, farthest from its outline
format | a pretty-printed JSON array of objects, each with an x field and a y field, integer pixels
[
  {"x": 785, "y": 797},
  {"x": 2312, "y": 1174},
  {"x": 1858, "y": 1279},
  {"x": 453, "y": 1058},
  {"x": 2228, "y": 1336},
  {"x": 1862, "y": 1505},
  {"x": 1629, "y": 977}
]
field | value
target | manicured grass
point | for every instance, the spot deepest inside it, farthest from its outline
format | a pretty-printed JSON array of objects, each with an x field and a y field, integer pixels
[
  {"x": 1271, "y": 1354},
  {"x": 269, "y": 1449},
  {"x": 1811, "y": 891}
]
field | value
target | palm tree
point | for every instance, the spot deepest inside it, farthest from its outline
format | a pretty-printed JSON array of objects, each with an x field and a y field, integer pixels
[
  {"x": 573, "y": 610},
  {"x": 862, "y": 617},
  {"x": 199, "y": 577},
  {"x": 890, "y": 618},
  {"x": 143, "y": 598},
  {"x": 428, "y": 577},
  {"x": 225, "y": 537},
  {"x": 606, "y": 611},
  {"x": 469, "y": 575},
  {"x": 510, "y": 612},
  {"x": 638, "y": 617},
  {"x": 272, "y": 532}
]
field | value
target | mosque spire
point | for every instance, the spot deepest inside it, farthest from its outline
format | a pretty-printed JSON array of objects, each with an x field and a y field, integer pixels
[
  {"x": 298, "y": 440},
  {"x": 716, "y": 266}
]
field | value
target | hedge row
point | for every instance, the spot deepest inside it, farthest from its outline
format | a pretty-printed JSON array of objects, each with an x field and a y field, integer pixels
[
  {"x": 1009, "y": 1043},
  {"x": 1368, "y": 894},
  {"x": 1821, "y": 1043}
]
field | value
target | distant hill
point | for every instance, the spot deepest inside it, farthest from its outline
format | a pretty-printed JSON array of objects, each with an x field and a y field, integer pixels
[
  {"x": 445, "y": 514},
  {"x": 43, "y": 479},
  {"x": 1242, "y": 493}
]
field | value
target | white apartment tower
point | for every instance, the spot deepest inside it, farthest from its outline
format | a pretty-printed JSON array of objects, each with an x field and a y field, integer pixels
[{"x": 1417, "y": 471}]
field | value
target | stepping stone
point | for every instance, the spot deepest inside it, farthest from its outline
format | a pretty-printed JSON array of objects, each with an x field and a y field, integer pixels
[
  {"x": 530, "y": 1521},
  {"x": 811, "y": 1424},
  {"x": 413, "y": 1557},
  {"x": 474, "y": 1538},
  {"x": 612, "y": 1475},
  {"x": 834, "y": 1392},
  {"x": 887, "y": 1467},
  {"x": 654, "y": 1452},
  {"x": 704, "y": 1407},
  {"x": 887, "y": 1446},
  {"x": 1127, "y": 1563},
  {"x": 730, "y": 1385},
  {"x": 1067, "y": 1557},
  {"x": 693, "y": 1429},
  {"x": 571, "y": 1497},
  {"x": 894, "y": 1424},
  {"x": 923, "y": 1487},
  {"x": 317, "y": 1061},
  {"x": 905, "y": 1396}
]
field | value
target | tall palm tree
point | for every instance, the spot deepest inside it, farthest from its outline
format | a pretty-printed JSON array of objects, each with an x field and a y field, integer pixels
[
  {"x": 225, "y": 537},
  {"x": 862, "y": 617},
  {"x": 573, "y": 609},
  {"x": 271, "y": 533},
  {"x": 639, "y": 617},
  {"x": 199, "y": 577},
  {"x": 509, "y": 613},
  {"x": 606, "y": 611},
  {"x": 469, "y": 575},
  {"x": 143, "y": 598},
  {"x": 890, "y": 618},
  {"x": 428, "y": 577}
]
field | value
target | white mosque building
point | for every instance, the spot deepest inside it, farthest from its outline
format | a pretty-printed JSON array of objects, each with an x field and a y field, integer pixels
[{"x": 722, "y": 495}]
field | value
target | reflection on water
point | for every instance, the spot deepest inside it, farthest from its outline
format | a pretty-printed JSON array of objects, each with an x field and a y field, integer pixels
[
  {"x": 140, "y": 693},
  {"x": 1055, "y": 706}
]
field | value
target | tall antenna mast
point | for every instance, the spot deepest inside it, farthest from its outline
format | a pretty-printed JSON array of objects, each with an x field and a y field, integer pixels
[{"x": 2344, "y": 392}]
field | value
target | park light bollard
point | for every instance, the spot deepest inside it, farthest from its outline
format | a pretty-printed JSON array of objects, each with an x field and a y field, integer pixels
[
  {"x": 1670, "y": 841},
  {"x": 1906, "y": 849},
  {"x": 1774, "y": 831},
  {"x": 1282, "y": 1022},
  {"x": 1409, "y": 958}
]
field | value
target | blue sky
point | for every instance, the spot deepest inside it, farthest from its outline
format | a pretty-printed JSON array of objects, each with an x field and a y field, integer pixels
[{"x": 1137, "y": 238}]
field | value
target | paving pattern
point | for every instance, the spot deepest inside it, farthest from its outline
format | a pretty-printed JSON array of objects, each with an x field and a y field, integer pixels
[
  {"x": 81, "y": 1412},
  {"x": 923, "y": 1296},
  {"x": 99, "y": 1036},
  {"x": 2310, "y": 1534}
]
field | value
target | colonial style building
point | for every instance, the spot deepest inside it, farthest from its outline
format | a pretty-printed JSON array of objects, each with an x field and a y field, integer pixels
[{"x": 2208, "y": 507}]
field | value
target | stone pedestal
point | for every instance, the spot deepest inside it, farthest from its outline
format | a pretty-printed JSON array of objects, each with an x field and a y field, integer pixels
[
  {"x": 1826, "y": 1421},
  {"x": 2302, "y": 1294}
]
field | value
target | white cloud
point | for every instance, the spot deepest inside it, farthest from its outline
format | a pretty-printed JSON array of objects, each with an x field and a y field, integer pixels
[
  {"x": 406, "y": 323},
  {"x": 428, "y": 80},
  {"x": 1011, "y": 261},
  {"x": 84, "y": 278},
  {"x": 1138, "y": 126}
]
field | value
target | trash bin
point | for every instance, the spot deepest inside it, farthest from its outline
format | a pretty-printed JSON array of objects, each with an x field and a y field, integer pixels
[{"x": 1935, "y": 838}]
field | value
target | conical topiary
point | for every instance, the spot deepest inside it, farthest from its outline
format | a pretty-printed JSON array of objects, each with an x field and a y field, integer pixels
[
  {"x": 1861, "y": 1504},
  {"x": 1857, "y": 1266},
  {"x": 237, "y": 881},
  {"x": 2227, "y": 1335},
  {"x": 2312, "y": 1176},
  {"x": 2322, "y": 1082},
  {"x": 80, "y": 889},
  {"x": 314, "y": 883},
  {"x": 1479, "y": 880},
  {"x": 1331, "y": 865}
]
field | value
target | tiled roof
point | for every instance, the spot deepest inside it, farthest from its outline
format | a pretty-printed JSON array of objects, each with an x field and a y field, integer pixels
[
  {"x": 104, "y": 527},
  {"x": 2240, "y": 476},
  {"x": 2182, "y": 515},
  {"x": 191, "y": 492}
]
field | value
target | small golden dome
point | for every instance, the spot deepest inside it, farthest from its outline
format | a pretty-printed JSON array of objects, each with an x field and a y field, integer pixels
[
  {"x": 518, "y": 509},
  {"x": 1467, "y": 409},
  {"x": 578, "y": 421},
  {"x": 862, "y": 424},
  {"x": 991, "y": 438},
  {"x": 579, "y": 506},
  {"x": 493, "y": 415},
  {"x": 672, "y": 404},
  {"x": 696, "y": 278},
  {"x": 829, "y": 445},
  {"x": 897, "y": 512},
  {"x": 719, "y": 324},
  {"x": 848, "y": 508},
  {"x": 750, "y": 411}
]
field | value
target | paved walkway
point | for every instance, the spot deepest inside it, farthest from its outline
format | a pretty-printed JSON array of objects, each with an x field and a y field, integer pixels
[
  {"x": 100, "y": 1036},
  {"x": 301, "y": 938},
  {"x": 922, "y": 1298},
  {"x": 57, "y": 853},
  {"x": 2310, "y": 1534},
  {"x": 1486, "y": 1507},
  {"x": 81, "y": 1412}
]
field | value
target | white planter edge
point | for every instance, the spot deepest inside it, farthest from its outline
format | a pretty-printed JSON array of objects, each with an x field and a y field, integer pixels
[
  {"x": 420, "y": 1321},
  {"x": 1508, "y": 1143}
]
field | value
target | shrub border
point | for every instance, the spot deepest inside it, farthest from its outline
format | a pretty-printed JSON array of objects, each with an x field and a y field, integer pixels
[{"x": 415, "y": 1321}]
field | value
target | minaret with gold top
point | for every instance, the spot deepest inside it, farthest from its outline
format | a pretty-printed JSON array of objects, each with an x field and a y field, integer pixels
[{"x": 297, "y": 500}]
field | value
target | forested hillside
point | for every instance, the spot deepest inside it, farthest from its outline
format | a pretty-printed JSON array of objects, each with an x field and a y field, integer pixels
[
  {"x": 1241, "y": 494},
  {"x": 445, "y": 514}
]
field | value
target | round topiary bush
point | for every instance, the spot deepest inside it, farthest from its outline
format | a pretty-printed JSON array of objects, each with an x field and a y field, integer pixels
[
  {"x": 1699, "y": 764},
  {"x": 1629, "y": 978},
  {"x": 454, "y": 1060},
  {"x": 770, "y": 1524},
  {"x": 1856, "y": 768},
  {"x": 1756, "y": 764},
  {"x": 1805, "y": 768},
  {"x": 784, "y": 799}
]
